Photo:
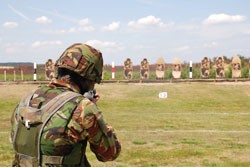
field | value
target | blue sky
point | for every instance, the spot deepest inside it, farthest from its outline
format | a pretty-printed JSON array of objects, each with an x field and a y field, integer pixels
[{"x": 34, "y": 31}]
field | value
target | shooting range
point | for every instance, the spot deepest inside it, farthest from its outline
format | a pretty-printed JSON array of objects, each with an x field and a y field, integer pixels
[{"x": 170, "y": 78}]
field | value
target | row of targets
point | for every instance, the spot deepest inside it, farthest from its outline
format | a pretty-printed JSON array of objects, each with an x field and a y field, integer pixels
[
  {"x": 220, "y": 67},
  {"x": 144, "y": 69},
  {"x": 160, "y": 68},
  {"x": 176, "y": 68}
]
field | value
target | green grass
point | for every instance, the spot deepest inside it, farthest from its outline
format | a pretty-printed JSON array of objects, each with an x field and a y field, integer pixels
[{"x": 199, "y": 124}]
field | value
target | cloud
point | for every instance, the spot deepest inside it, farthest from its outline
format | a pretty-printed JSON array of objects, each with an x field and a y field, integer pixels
[
  {"x": 223, "y": 18},
  {"x": 105, "y": 45},
  {"x": 43, "y": 20},
  {"x": 112, "y": 27},
  {"x": 19, "y": 13},
  {"x": 83, "y": 25},
  {"x": 83, "y": 22},
  {"x": 10, "y": 25},
  {"x": 37, "y": 44},
  {"x": 148, "y": 21}
]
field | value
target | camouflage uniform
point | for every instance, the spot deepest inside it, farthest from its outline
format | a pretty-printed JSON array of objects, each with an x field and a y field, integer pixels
[{"x": 64, "y": 136}]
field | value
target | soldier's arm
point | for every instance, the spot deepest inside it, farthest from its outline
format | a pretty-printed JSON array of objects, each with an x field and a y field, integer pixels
[{"x": 102, "y": 138}]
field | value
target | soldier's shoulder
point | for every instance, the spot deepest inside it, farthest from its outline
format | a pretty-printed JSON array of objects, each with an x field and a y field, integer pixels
[{"x": 89, "y": 106}]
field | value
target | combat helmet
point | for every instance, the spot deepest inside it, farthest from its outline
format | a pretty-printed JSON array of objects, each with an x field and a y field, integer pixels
[{"x": 83, "y": 60}]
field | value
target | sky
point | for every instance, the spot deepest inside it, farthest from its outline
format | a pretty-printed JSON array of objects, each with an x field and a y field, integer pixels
[{"x": 35, "y": 31}]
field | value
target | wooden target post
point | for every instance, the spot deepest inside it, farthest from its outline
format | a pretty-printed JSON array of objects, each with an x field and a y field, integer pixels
[
  {"x": 5, "y": 77},
  {"x": 14, "y": 75},
  {"x": 22, "y": 75}
]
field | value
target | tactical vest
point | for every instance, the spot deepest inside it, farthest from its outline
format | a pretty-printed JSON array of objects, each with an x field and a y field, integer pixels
[{"x": 28, "y": 130}]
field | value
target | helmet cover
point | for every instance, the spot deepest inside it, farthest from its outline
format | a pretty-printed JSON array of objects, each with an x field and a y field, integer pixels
[{"x": 82, "y": 59}]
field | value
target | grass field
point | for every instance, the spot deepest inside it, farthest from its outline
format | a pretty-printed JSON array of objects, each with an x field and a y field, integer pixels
[{"x": 199, "y": 124}]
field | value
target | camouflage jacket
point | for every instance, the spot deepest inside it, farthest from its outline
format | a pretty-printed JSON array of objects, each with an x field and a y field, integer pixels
[{"x": 76, "y": 122}]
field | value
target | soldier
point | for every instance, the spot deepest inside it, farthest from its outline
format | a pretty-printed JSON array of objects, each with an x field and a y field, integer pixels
[{"x": 52, "y": 125}]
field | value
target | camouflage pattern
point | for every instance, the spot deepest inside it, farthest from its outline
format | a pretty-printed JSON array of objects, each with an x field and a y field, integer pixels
[
  {"x": 219, "y": 65},
  {"x": 236, "y": 67},
  {"x": 160, "y": 69},
  {"x": 128, "y": 69},
  {"x": 144, "y": 69},
  {"x": 205, "y": 67},
  {"x": 65, "y": 135},
  {"x": 49, "y": 69},
  {"x": 84, "y": 60}
]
